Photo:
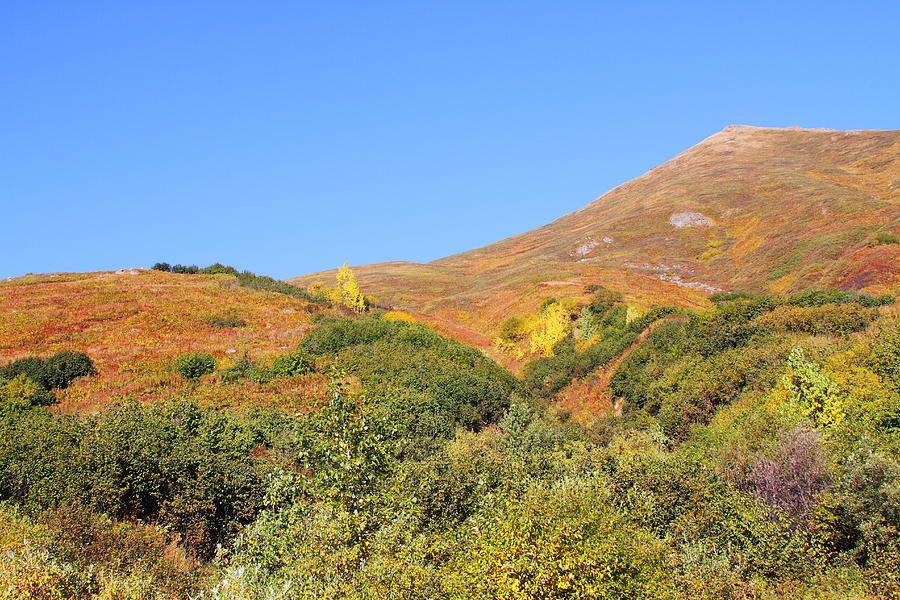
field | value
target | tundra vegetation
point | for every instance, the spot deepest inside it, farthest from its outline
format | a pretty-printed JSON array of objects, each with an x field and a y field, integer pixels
[{"x": 754, "y": 453}]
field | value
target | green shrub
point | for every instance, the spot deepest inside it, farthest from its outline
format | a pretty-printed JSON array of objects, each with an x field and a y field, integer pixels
[
  {"x": 262, "y": 282},
  {"x": 547, "y": 375},
  {"x": 63, "y": 368},
  {"x": 512, "y": 329},
  {"x": 55, "y": 372},
  {"x": 886, "y": 352},
  {"x": 31, "y": 367},
  {"x": 188, "y": 470},
  {"x": 818, "y": 297},
  {"x": 830, "y": 319},
  {"x": 193, "y": 365},
  {"x": 245, "y": 368},
  {"x": 718, "y": 297},
  {"x": 21, "y": 393},
  {"x": 162, "y": 266},
  {"x": 335, "y": 334},
  {"x": 226, "y": 321},
  {"x": 886, "y": 237},
  {"x": 547, "y": 303},
  {"x": 291, "y": 364},
  {"x": 603, "y": 299},
  {"x": 191, "y": 270},
  {"x": 869, "y": 301},
  {"x": 428, "y": 386},
  {"x": 219, "y": 269}
]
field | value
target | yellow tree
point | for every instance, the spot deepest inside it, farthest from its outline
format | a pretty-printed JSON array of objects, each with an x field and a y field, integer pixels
[
  {"x": 550, "y": 327},
  {"x": 347, "y": 291}
]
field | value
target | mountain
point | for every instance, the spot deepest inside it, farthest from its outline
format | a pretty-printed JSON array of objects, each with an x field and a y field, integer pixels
[{"x": 749, "y": 208}]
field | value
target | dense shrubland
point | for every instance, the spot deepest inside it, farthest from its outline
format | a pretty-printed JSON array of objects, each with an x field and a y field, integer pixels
[{"x": 757, "y": 455}]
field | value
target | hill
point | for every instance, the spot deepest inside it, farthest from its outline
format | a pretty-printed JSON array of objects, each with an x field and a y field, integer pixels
[
  {"x": 749, "y": 208},
  {"x": 133, "y": 323}
]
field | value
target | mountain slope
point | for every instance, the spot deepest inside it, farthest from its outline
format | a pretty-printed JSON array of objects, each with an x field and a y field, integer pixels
[{"x": 757, "y": 209}]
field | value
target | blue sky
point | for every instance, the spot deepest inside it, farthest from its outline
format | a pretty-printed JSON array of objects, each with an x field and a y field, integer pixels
[{"x": 290, "y": 137}]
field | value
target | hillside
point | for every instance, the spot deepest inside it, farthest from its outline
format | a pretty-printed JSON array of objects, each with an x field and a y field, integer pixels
[
  {"x": 133, "y": 323},
  {"x": 750, "y": 449},
  {"x": 752, "y": 209}
]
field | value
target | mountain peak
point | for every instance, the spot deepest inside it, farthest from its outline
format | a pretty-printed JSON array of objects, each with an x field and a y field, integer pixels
[{"x": 759, "y": 209}]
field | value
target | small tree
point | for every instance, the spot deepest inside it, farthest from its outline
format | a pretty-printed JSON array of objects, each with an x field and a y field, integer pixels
[
  {"x": 551, "y": 326},
  {"x": 194, "y": 365},
  {"x": 290, "y": 364},
  {"x": 347, "y": 292},
  {"x": 162, "y": 266},
  {"x": 65, "y": 367},
  {"x": 813, "y": 391},
  {"x": 350, "y": 454}
]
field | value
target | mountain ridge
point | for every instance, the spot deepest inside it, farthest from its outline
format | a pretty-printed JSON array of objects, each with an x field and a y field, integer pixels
[{"x": 748, "y": 208}]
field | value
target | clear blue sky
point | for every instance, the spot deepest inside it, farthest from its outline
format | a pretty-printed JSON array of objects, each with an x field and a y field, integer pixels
[{"x": 290, "y": 137}]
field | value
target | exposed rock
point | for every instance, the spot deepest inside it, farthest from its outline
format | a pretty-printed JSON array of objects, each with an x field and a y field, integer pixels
[
  {"x": 694, "y": 285},
  {"x": 688, "y": 219},
  {"x": 585, "y": 248}
]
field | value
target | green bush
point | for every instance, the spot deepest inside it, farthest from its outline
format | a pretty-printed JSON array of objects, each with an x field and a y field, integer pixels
[
  {"x": 193, "y": 365},
  {"x": 64, "y": 367},
  {"x": 245, "y": 368},
  {"x": 219, "y": 269},
  {"x": 191, "y": 270},
  {"x": 886, "y": 237},
  {"x": 512, "y": 329},
  {"x": 31, "y": 367},
  {"x": 428, "y": 386},
  {"x": 162, "y": 266},
  {"x": 226, "y": 321},
  {"x": 263, "y": 282},
  {"x": 718, "y": 297},
  {"x": 21, "y": 392},
  {"x": 188, "y": 470},
  {"x": 869, "y": 301},
  {"x": 830, "y": 319},
  {"x": 291, "y": 364},
  {"x": 334, "y": 334},
  {"x": 819, "y": 297},
  {"x": 55, "y": 372}
]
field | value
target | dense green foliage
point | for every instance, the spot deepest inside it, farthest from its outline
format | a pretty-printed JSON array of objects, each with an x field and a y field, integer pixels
[
  {"x": 757, "y": 456},
  {"x": 194, "y": 365},
  {"x": 426, "y": 385},
  {"x": 604, "y": 323},
  {"x": 189, "y": 469},
  {"x": 263, "y": 282},
  {"x": 225, "y": 321},
  {"x": 186, "y": 270},
  {"x": 55, "y": 372}
]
